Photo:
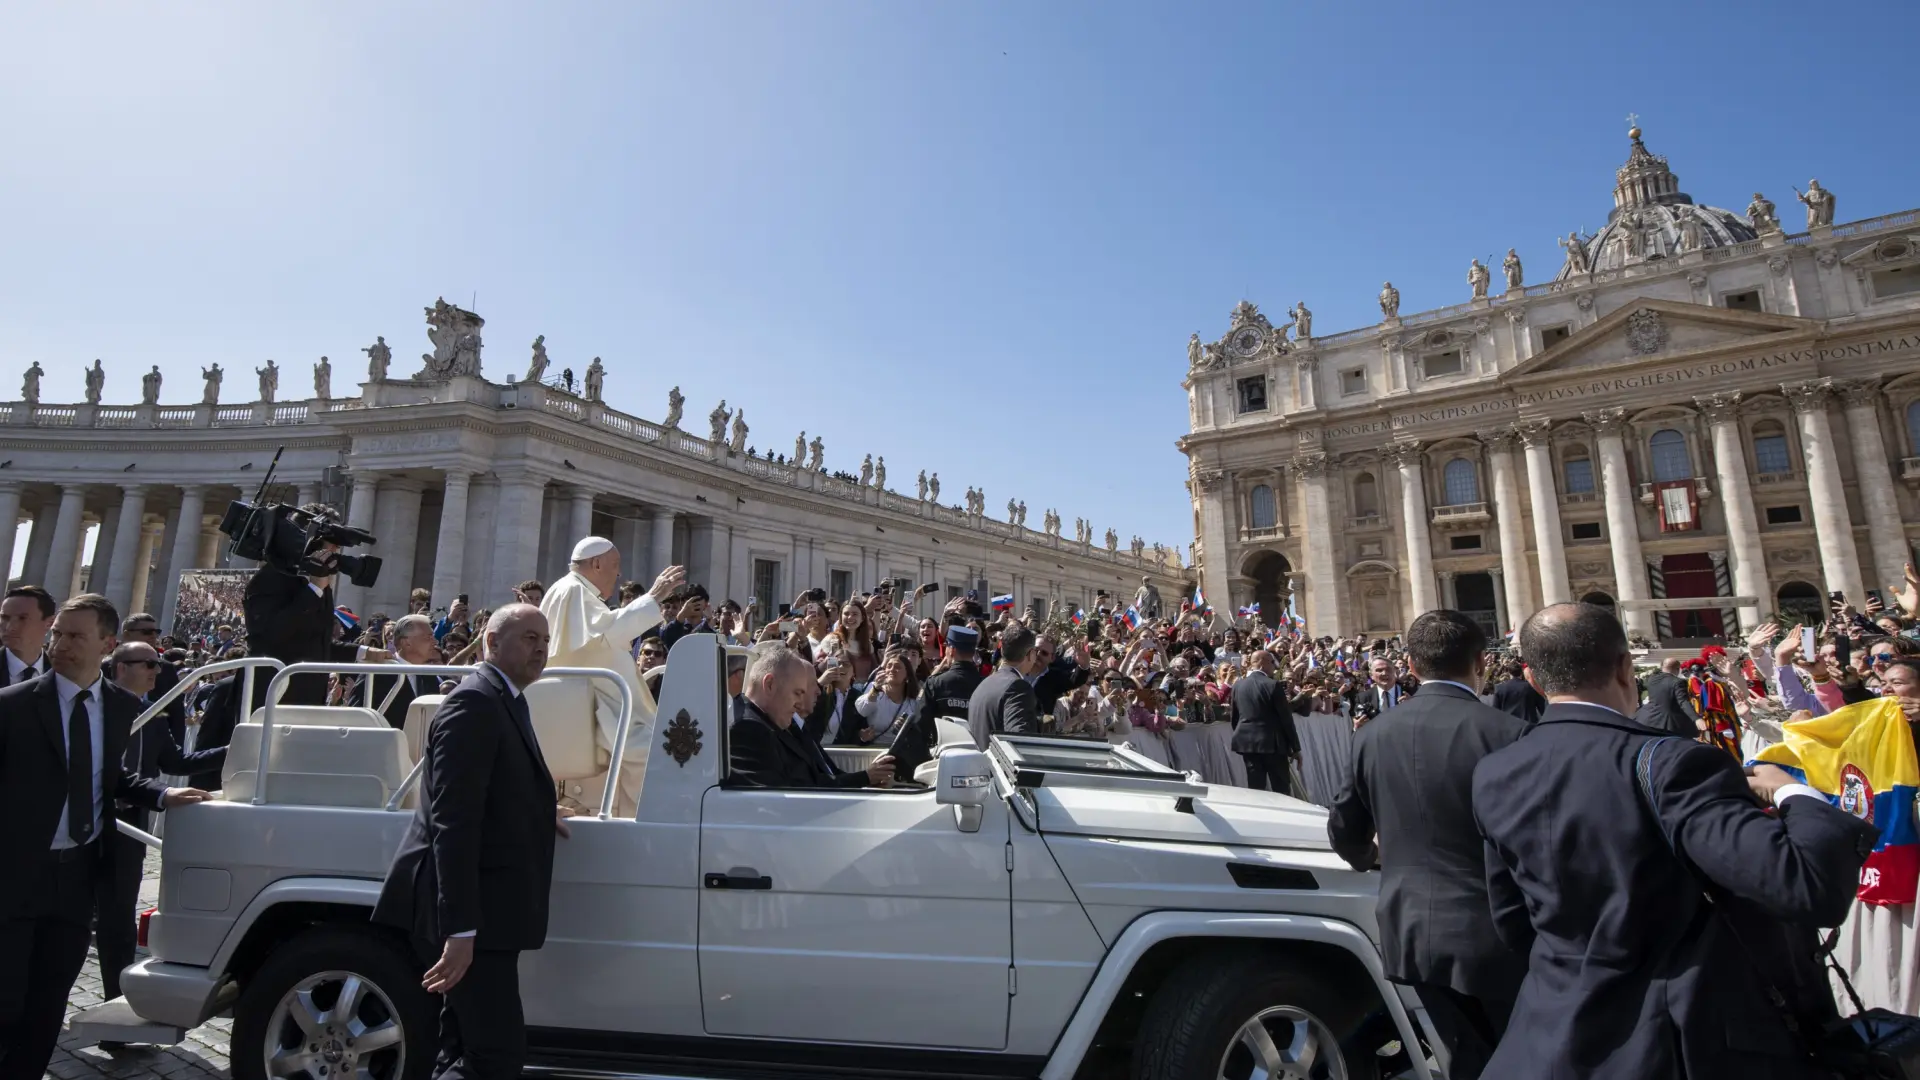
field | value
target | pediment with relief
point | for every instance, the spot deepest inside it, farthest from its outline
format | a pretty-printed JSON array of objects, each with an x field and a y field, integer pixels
[{"x": 1646, "y": 329}]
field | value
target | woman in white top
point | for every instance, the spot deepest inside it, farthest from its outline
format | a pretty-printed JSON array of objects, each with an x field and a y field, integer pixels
[{"x": 889, "y": 704}]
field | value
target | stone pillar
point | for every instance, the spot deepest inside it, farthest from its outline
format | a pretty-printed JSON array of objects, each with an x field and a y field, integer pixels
[
  {"x": 1747, "y": 559},
  {"x": 1415, "y": 528},
  {"x": 398, "y": 532},
  {"x": 39, "y": 544},
  {"x": 126, "y": 547},
  {"x": 517, "y": 526},
  {"x": 1511, "y": 588},
  {"x": 143, "y": 568},
  {"x": 103, "y": 541},
  {"x": 63, "y": 558},
  {"x": 450, "y": 550},
  {"x": 1210, "y": 491},
  {"x": 1449, "y": 598},
  {"x": 1502, "y": 609},
  {"x": 1623, "y": 523},
  {"x": 9, "y": 526},
  {"x": 1839, "y": 556},
  {"x": 209, "y": 550},
  {"x": 360, "y": 515},
  {"x": 660, "y": 543},
  {"x": 1323, "y": 576},
  {"x": 579, "y": 519},
  {"x": 1544, "y": 493},
  {"x": 185, "y": 548},
  {"x": 1874, "y": 475}
]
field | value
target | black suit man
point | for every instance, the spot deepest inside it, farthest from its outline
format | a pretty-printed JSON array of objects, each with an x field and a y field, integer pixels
[
  {"x": 1383, "y": 690},
  {"x": 767, "y": 748},
  {"x": 471, "y": 879},
  {"x": 142, "y": 628},
  {"x": 1005, "y": 701},
  {"x": 290, "y": 618},
  {"x": 1516, "y": 697},
  {"x": 1632, "y": 972},
  {"x": 1412, "y": 785},
  {"x": 1668, "y": 706},
  {"x": 151, "y": 754},
  {"x": 26, "y": 613},
  {"x": 62, "y": 737},
  {"x": 1059, "y": 675},
  {"x": 1266, "y": 735}
]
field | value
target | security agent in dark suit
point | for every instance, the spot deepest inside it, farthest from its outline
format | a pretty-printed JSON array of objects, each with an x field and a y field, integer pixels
[
  {"x": 471, "y": 879},
  {"x": 62, "y": 738},
  {"x": 290, "y": 618},
  {"x": 151, "y": 754},
  {"x": 413, "y": 644},
  {"x": 1266, "y": 735},
  {"x": 26, "y": 613},
  {"x": 1412, "y": 787},
  {"x": 1516, "y": 697},
  {"x": 1633, "y": 972},
  {"x": 1669, "y": 707},
  {"x": 1005, "y": 702},
  {"x": 1384, "y": 688},
  {"x": 1059, "y": 675},
  {"x": 766, "y": 748}
]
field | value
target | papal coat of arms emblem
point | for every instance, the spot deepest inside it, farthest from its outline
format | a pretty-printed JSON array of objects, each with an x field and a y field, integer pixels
[
  {"x": 1646, "y": 332},
  {"x": 682, "y": 738}
]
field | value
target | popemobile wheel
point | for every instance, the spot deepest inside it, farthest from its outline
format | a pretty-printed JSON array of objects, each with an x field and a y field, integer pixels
[
  {"x": 334, "y": 1004},
  {"x": 1247, "y": 1017}
]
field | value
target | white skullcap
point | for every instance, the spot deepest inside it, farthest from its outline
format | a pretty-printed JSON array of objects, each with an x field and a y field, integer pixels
[{"x": 591, "y": 547}]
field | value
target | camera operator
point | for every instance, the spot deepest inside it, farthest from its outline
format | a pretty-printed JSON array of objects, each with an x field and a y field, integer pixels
[{"x": 290, "y": 618}]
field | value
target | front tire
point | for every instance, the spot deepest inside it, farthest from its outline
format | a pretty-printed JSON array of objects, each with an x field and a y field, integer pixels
[
  {"x": 333, "y": 1003},
  {"x": 1246, "y": 1017}
]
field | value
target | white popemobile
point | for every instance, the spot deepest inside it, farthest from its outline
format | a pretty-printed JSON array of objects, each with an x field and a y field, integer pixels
[{"x": 1048, "y": 908}]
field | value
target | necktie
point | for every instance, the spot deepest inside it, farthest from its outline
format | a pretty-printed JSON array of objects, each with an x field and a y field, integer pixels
[
  {"x": 79, "y": 771},
  {"x": 26, "y": 674}
]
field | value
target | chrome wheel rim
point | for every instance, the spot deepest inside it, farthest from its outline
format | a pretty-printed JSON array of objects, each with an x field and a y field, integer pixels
[
  {"x": 335, "y": 1025},
  {"x": 1283, "y": 1043}
]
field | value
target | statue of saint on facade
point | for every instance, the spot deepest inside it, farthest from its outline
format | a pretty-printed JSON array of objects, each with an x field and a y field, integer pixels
[
  {"x": 1013, "y": 512},
  {"x": 739, "y": 442},
  {"x": 816, "y": 453},
  {"x": 1511, "y": 265},
  {"x": 1576, "y": 252},
  {"x": 880, "y": 472},
  {"x": 269, "y": 381},
  {"x": 920, "y": 486},
  {"x": 30, "y": 384},
  {"x": 596, "y": 379},
  {"x": 1302, "y": 321},
  {"x": 323, "y": 379},
  {"x": 933, "y": 486},
  {"x": 1194, "y": 359},
  {"x": 1819, "y": 204},
  {"x": 1761, "y": 212},
  {"x": 1113, "y": 540},
  {"x": 455, "y": 334},
  {"x": 800, "y": 449},
  {"x": 866, "y": 471},
  {"x": 150, "y": 387},
  {"x": 717, "y": 423},
  {"x": 676, "y": 406},
  {"x": 96, "y": 382},
  {"x": 537, "y": 367},
  {"x": 211, "y": 394},
  {"x": 1690, "y": 235},
  {"x": 1389, "y": 301},
  {"x": 1478, "y": 276},
  {"x": 378, "y": 357}
]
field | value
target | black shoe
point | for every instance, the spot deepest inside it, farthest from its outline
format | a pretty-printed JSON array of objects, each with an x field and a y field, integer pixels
[{"x": 110, "y": 1046}]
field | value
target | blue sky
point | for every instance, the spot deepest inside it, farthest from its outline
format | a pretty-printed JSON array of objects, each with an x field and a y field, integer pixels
[{"x": 970, "y": 237}]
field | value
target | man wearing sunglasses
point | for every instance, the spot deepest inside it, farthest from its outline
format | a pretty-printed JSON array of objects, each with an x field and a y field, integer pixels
[
  {"x": 151, "y": 753},
  {"x": 145, "y": 629}
]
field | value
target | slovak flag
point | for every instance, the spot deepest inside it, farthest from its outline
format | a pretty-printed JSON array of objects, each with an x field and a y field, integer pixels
[
  {"x": 1199, "y": 598},
  {"x": 1251, "y": 610},
  {"x": 1128, "y": 618},
  {"x": 1077, "y": 617},
  {"x": 1003, "y": 603}
]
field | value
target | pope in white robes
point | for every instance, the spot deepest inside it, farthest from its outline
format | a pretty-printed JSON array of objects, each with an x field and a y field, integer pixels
[{"x": 587, "y": 633}]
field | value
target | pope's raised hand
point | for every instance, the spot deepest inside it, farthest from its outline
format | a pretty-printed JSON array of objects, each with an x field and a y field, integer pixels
[{"x": 669, "y": 580}]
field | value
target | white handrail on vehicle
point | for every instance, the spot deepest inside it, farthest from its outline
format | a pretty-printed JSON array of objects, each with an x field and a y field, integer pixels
[
  {"x": 146, "y": 838},
  {"x": 323, "y": 667},
  {"x": 188, "y": 680}
]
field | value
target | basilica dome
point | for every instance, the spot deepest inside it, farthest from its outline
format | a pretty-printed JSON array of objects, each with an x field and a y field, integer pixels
[{"x": 1652, "y": 219}]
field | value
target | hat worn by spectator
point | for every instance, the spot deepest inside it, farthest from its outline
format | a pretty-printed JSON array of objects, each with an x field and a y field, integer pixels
[{"x": 591, "y": 547}]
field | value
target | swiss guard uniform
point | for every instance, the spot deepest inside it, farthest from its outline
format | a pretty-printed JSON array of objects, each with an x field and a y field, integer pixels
[{"x": 945, "y": 693}]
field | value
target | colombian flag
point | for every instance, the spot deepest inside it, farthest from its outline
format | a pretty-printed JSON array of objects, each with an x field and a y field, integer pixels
[{"x": 1861, "y": 757}]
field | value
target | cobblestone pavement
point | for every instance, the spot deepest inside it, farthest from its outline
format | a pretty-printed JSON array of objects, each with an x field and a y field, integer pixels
[{"x": 203, "y": 1056}]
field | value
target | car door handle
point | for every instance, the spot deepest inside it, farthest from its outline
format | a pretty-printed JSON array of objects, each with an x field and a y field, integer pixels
[{"x": 740, "y": 877}]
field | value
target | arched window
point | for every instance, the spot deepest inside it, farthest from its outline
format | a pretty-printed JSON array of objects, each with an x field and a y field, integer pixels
[
  {"x": 1578, "y": 469},
  {"x": 1913, "y": 426},
  {"x": 1366, "y": 496},
  {"x": 1260, "y": 507},
  {"x": 1801, "y": 603},
  {"x": 1770, "y": 449},
  {"x": 1461, "y": 482},
  {"x": 1670, "y": 459}
]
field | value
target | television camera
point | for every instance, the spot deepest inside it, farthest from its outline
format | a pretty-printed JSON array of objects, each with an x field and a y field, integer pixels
[{"x": 290, "y": 539}]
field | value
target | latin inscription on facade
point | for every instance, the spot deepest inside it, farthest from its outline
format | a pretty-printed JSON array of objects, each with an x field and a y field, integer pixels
[{"x": 1606, "y": 388}]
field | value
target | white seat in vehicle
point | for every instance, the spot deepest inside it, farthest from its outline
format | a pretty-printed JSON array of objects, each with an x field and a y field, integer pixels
[
  {"x": 419, "y": 714},
  {"x": 337, "y": 716},
  {"x": 564, "y": 725},
  {"x": 342, "y": 765}
]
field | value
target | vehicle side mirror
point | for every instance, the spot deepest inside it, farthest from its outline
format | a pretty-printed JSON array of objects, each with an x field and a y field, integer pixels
[{"x": 965, "y": 778}]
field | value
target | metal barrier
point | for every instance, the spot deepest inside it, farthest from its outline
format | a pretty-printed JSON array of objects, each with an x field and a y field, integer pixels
[
  {"x": 619, "y": 751},
  {"x": 191, "y": 678}
]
